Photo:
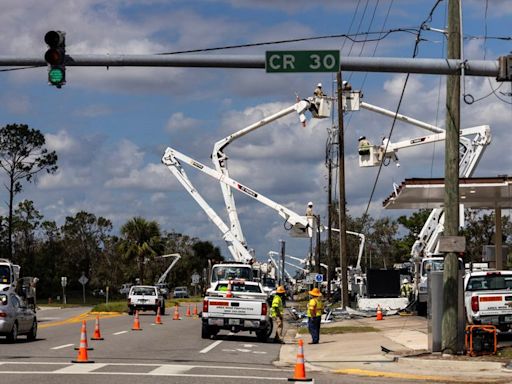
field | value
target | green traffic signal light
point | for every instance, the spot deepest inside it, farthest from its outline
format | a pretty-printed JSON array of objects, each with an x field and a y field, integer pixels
[
  {"x": 55, "y": 56},
  {"x": 56, "y": 76}
]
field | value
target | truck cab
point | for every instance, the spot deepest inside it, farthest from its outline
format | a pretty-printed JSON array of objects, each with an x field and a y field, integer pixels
[
  {"x": 9, "y": 275},
  {"x": 229, "y": 271}
]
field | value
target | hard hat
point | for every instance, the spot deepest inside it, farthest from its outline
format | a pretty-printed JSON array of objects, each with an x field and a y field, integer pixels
[
  {"x": 315, "y": 292},
  {"x": 280, "y": 289},
  {"x": 406, "y": 281},
  {"x": 362, "y": 138},
  {"x": 319, "y": 85},
  {"x": 310, "y": 204}
]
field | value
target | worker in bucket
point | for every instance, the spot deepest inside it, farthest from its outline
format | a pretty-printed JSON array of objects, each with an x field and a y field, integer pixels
[
  {"x": 315, "y": 310},
  {"x": 318, "y": 92},
  {"x": 309, "y": 209},
  {"x": 364, "y": 146},
  {"x": 277, "y": 313}
]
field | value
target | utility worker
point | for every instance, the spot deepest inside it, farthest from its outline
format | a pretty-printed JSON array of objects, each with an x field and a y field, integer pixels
[
  {"x": 406, "y": 288},
  {"x": 364, "y": 146},
  {"x": 315, "y": 310},
  {"x": 277, "y": 313},
  {"x": 309, "y": 209},
  {"x": 319, "y": 91}
]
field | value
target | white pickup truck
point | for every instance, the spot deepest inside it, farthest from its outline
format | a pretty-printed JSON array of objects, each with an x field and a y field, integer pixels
[
  {"x": 236, "y": 306},
  {"x": 488, "y": 298},
  {"x": 145, "y": 298}
]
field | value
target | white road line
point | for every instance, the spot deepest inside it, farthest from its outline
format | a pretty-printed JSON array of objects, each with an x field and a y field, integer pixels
[
  {"x": 170, "y": 369},
  {"x": 120, "y": 333},
  {"x": 210, "y": 347},
  {"x": 63, "y": 346},
  {"x": 206, "y": 376},
  {"x": 80, "y": 368}
]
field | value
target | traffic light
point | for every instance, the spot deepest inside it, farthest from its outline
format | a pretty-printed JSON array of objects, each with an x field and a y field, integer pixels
[{"x": 55, "y": 56}]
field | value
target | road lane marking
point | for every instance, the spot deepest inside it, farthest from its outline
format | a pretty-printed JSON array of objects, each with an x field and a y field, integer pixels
[
  {"x": 168, "y": 369},
  {"x": 78, "y": 319},
  {"x": 120, "y": 333},
  {"x": 210, "y": 347},
  {"x": 63, "y": 346},
  {"x": 80, "y": 368}
]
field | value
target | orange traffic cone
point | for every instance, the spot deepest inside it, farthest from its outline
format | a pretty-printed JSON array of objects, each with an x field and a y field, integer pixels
[
  {"x": 195, "y": 311},
  {"x": 379, "y": 313},
  {"x": 176, "y": 313},
  {"x": 158, "y": 319},
  {"x": 136, "y": 323},
  {"x": 188, "y": 311},
  {"x": 300, "y": 369},
  {"x": 97, "y": 333},
  {"x": 82, "y": 351}
]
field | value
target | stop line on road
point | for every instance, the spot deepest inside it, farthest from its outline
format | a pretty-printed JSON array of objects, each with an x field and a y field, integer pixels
[{"x": 55, "y": 368}]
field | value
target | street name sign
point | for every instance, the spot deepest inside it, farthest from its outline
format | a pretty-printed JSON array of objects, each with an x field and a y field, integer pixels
[{"x": 302, "y": 61}]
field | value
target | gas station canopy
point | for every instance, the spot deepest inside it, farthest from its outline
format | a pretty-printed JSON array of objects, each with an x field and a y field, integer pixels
[{"x": 477, "y": 193}]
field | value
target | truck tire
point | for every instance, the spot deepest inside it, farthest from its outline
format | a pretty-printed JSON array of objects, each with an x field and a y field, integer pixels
[
  {"x": 263, "y": 334},
  {"x": 205, "y": 331},
  {"x": 130, "y": 311},
  {"x": 162, "y": 310},
  {"x": 421, "y": 308}
]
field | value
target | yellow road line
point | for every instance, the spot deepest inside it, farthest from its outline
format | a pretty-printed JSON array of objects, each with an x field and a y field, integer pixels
[
  {"x": 78, "y": 319},
  {"x": 396, "y": 375}
]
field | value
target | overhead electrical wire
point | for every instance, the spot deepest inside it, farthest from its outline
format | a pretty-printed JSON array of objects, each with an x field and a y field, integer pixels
[{"x": 415, "y": 53}]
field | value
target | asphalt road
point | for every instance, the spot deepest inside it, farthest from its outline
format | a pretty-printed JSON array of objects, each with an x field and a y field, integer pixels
[{"x": 172, "y": 352}]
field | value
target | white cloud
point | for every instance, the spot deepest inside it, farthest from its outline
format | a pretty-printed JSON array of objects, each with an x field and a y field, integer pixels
[{"x": 178, "y": 122}]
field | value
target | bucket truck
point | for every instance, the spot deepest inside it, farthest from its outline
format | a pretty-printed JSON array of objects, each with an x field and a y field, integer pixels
[
  {"x": 300, "y": 226},
  {"x": 320, "y": 107},
  {"x": 160, "y": 283},
  {"x": 473, "y": 142}
]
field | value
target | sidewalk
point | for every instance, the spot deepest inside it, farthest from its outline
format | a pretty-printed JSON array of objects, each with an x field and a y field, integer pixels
[{"x": 406, "y": 339}]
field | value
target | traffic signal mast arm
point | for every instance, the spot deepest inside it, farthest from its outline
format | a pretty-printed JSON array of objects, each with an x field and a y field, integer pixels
[
  {"x": 220, "y": 159},
  {"x": 237, "y": 250}
]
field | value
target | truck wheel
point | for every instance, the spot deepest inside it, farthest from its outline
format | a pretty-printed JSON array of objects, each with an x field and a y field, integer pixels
[
  {"x": 162, "y": 310},
  {"x": 265, "y": 333},
  {"x": 205, "y": 332},
  {"x": 130, "y": 311}
]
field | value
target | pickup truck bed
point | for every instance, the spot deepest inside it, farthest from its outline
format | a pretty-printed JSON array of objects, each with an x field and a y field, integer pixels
[
  {"x": 243, "y": 309},
  {"x": 488, "y": 298}
]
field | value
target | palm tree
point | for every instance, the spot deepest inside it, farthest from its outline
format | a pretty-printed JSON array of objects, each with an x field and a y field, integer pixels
[{"x": 141, "y": 240}]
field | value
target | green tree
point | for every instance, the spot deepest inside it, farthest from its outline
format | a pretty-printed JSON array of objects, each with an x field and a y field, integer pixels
[
  {"x": 26, "y": 221},
  {"x": 140, "y": 241},
  {"x": 83, "y": 237},
  {"x": 22, "y": 156}
]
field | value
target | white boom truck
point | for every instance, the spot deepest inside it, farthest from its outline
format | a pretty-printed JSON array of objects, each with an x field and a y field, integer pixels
[
  {"x": 471, "y": 149},
  {"x": 160, "y": 283}
]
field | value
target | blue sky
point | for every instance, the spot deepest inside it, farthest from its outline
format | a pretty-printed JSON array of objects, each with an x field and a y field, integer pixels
[{"x": 110, "y": 127}]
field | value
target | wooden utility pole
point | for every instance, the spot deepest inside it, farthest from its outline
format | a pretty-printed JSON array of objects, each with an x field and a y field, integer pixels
[
  {"x": 341, "y": 212},
  {"x": 451, "y": 194}
]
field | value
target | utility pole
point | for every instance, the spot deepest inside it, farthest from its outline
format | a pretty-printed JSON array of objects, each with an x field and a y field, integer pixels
[
  {"x": 451, "y": 192},
  {"x": 281, "y": 277},
  {"x": 330, "y": 258},
  {"x": 341, "y": 181},
  {"x": 317, "y": 252}
]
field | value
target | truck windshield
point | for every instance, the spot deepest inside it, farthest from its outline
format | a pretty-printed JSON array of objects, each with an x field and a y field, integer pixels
[
  {"x": 5, "y": 274},
  {"x": 239, "y": 288},
  {"x": 436, "y": 265},
  {"x": 231, "y": 272},
  {"x": 489, "y": 282}
]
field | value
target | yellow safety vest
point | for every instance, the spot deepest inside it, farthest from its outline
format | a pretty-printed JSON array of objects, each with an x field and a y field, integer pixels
[
  {"x": 315, "y": 307},
  {"x": 277, "y": 306}
]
